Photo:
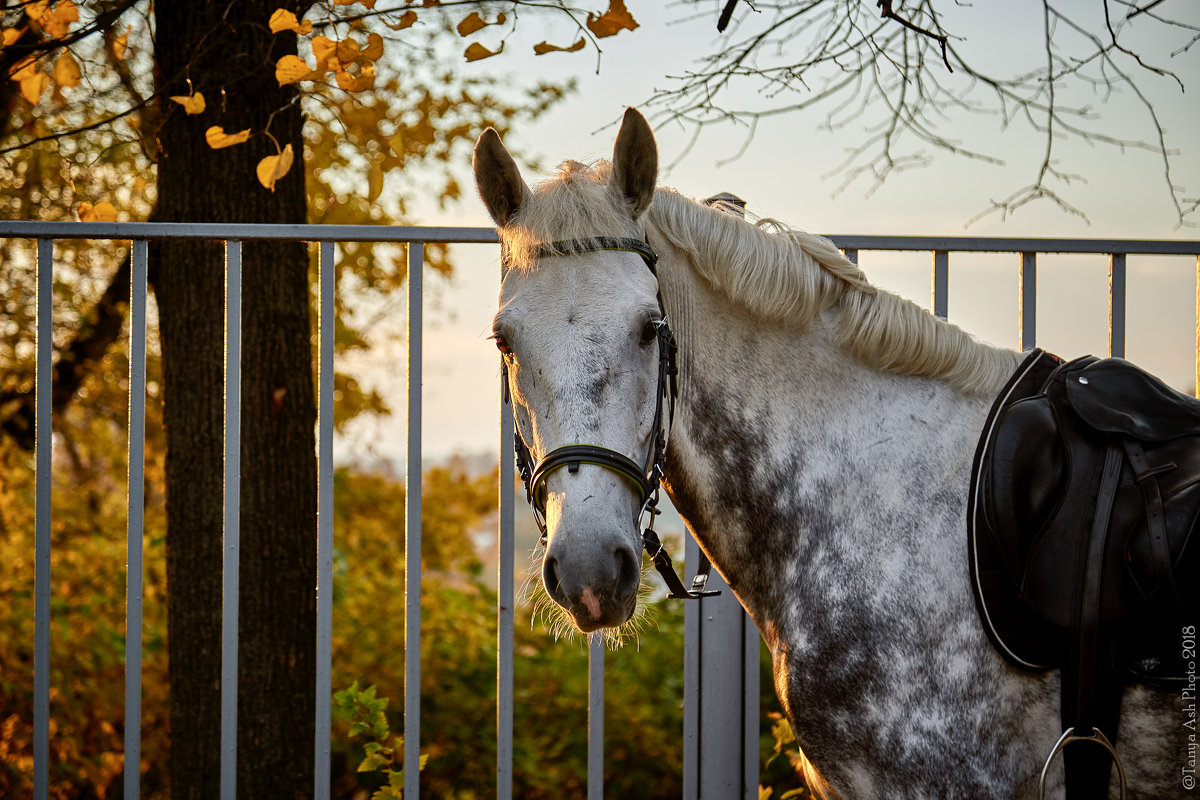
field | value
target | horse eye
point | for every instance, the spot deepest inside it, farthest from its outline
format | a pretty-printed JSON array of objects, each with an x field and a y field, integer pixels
[
  {"x": 502, "y": 344},
  {"x": 649, "y": 333}
]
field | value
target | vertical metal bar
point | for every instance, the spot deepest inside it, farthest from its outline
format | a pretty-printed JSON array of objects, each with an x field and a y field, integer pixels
[
  {"x": 940, "y": 300},
  {"x": 412, "y": 533},
  {"x": 750, "y": 655},
  {"x": 506, "y": 602},
  {"x": 232, "y": 543},
  {"x": 326, "y": 319},
  {"x": 1028, "y": 300},
  {"x": 595, "y": 761},
  {"x": 135, "y": 496},
  {"x": 1197, "y": 385},
  {"x": 691, "y": 679},
  {"x": 1116, "y": 305},
  {"x": 851, "y": 253},
  {"x": 41, "y": 577}
]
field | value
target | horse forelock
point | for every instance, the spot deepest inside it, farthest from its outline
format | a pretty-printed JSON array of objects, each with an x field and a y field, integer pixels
[{"x": 577, "y": 203}]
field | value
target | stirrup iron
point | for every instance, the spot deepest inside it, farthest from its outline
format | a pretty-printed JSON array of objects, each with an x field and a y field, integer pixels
[{"x": 1070, "y": 737}]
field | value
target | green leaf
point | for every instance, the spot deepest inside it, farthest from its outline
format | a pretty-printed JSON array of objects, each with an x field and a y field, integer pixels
[{"x": 374, "y": 761}]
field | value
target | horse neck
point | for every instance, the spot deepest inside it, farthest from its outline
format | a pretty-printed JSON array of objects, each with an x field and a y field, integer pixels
[{"x": 786, "y": 449}]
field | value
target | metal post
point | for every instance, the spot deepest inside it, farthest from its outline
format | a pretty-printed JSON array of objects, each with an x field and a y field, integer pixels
[
  {"x": 41, "y": 579},
  {"x": 720, "y": 691},
  {"x": 232, "y": 543},
  {"x": 751, "y": 656},
  {"x": 1028, "y": 300},
  {"x": 326, "y": 322},
  {"x": 1197, "y": 388},
  {"x": 691, "y": 679},
  {"x": 412, "y": 533},
  {"x": 135, "y": 497},
  {"x": 1116, "y": 305},
  {"x": 940, "y": 300},
  {"x": 595, "y": 760},
  {"x": 506, "y": 601}
]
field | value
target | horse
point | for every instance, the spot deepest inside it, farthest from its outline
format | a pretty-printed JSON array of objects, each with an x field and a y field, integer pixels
[{"x": 819, "y": 449}]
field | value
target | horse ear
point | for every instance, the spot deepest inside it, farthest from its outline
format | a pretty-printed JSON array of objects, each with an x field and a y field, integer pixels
[
  {"x": 497, "y": 178},
  {"x": 635, "y": 162}
]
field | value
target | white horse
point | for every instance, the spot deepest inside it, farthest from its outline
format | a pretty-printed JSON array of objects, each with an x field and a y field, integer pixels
[{"x": 820, "y": 453}]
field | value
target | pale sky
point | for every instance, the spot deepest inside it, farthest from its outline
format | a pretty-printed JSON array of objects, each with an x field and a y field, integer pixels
[{"x": 782, "y": 175}]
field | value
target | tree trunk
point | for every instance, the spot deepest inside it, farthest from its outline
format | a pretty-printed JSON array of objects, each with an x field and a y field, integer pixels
[{"x": 228, "y": 46}]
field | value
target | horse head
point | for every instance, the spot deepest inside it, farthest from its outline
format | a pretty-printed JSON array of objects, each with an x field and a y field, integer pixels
[{"x": 580, "y": 329}]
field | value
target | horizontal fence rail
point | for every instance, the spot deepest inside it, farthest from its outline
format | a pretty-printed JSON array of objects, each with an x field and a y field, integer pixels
[{"x": 699, "y": 741}]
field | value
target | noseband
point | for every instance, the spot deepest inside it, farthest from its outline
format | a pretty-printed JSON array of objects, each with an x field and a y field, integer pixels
[{"x": 644, "y": 477}]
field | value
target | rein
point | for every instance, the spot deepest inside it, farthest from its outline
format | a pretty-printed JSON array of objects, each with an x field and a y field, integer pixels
[{"x": 644, "y": 477}]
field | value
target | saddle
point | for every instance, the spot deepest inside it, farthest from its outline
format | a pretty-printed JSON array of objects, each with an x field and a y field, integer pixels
[{"x": 1084, "y": 521}]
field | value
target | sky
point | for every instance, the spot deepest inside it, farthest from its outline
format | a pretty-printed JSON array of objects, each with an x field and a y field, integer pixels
[{"x": 784, "y": 173}]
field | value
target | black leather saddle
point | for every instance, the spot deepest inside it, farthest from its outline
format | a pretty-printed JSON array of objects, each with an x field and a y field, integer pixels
[{"x": 1083, "y": 519}]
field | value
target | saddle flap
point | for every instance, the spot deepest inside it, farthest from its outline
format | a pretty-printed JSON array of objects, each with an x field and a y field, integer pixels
[{"x": 1113, "y": 396}]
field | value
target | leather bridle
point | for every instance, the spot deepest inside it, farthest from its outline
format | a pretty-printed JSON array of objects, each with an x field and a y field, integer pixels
[{"x": 644, "y": 477}]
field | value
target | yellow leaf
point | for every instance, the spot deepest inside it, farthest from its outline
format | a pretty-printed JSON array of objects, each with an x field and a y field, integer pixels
[
  {"x": 272, "y": 168},
  {"x": 66, "y": 70},
  {"x": 374, "y": 182},
  {"x": 347, "y": 51},
  {"x": 396, "y": 142},
  {"x": 218, "y": 138},
  {"x": 23, "y": 69},
  {"x": 284, "y": 20},
  {"x": 477, "y": 51},
  {"x": 33, "y": 86},
  {"x": 473, "y": 22},
  {"x": 546, "y": 47},
  {"x": 192, "y": 104},
  {"x": 406, "y": 21},
  {"x": 323, "y": 47},
  {"x": 10, "y": 35},
  {"x": 119, "y": 45},
  {"x": 56, "y": 21},
  {"x": 37, "y": 10},
  {"x": 351, "y": 83},
  {"x": 616, "y": 19},
  {"x": 101, "y": 212},
  {"x": 374, "y": 48},
  {"x": 291, "y": 69}
]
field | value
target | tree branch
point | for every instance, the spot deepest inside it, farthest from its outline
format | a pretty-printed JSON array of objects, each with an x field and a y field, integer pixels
[{"x": 886, "y": 8}]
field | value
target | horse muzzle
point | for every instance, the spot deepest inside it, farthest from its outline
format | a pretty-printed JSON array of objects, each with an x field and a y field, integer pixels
[{"x": 595, "y": 578}]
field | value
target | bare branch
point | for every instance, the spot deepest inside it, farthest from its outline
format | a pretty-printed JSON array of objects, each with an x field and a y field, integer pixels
[
  {"x": 886, "y": 8},
  {"x": 876, "y": 78}
]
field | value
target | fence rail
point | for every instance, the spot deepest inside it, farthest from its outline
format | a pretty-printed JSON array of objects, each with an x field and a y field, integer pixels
[{"x": 729, "y": 650}]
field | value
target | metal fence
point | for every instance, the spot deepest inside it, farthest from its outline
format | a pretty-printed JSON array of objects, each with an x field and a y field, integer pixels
[{"x": 722, "y": 646}]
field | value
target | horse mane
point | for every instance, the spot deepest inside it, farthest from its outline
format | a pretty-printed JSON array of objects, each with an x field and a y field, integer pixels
[{"x": 775, "y": 271}]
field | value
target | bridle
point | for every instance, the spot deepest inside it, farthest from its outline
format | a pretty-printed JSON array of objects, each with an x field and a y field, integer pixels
[{"x": 644, "y": 477}]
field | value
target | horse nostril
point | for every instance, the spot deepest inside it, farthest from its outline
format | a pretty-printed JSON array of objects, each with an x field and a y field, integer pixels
[
  {"x": 550, "y": 579},
  {"x": 629, "y": 572}
]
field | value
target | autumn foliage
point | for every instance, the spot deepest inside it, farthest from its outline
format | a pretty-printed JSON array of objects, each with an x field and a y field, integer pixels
[
  {"x": 80, "y": 126},
  {"x": 54, "y": 63}
]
